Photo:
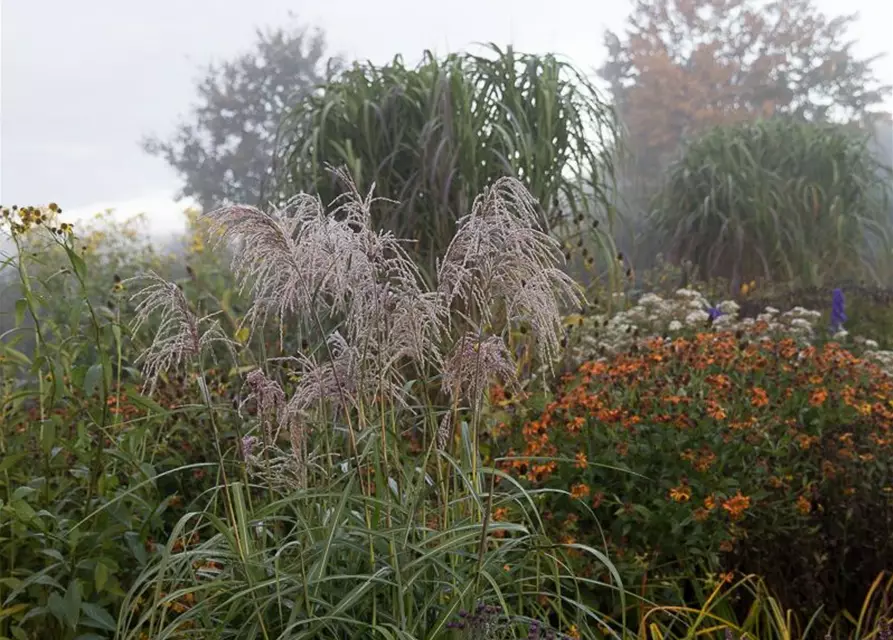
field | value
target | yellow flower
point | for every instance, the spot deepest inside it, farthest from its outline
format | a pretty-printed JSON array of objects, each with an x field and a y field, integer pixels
[
  {"x": 573, "y": 632},
  {"x": 682, "y": 493}
]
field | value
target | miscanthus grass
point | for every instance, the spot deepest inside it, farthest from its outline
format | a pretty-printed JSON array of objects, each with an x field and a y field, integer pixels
[{"x": 336, "y": 528}]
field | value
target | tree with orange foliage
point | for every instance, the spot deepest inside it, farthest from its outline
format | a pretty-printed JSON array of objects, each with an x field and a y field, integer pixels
[{"x": 686, "y": 65}]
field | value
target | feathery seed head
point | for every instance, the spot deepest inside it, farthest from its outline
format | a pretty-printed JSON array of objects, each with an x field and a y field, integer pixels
[
  {"x": 500, "y": 258},
  {"x": 178, "y": 338}
]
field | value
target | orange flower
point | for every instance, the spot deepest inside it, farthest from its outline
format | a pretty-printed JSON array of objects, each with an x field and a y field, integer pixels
[
  {"x": 805, "y": 441},
  {"x": 580, "y": 460},
  {"x": 715, "y": 411},
  {"x": 682, "y": 493},
  {"x": 804, "y": 506},
  {"x": 701, "y": 514},
  {"x": 597, "y": 500},
  {"x": 818, "y": 397},
  {"x": 573, "y": 632},
  {"x": 580, "y": 491},
  {"x": 726, "y": 546},
  {"x": 736, "y": 505},
  {"x": 710, "y": 503},
  {"x": 759, "y": 397}
]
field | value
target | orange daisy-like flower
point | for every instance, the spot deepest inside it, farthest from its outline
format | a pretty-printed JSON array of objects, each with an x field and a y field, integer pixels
[
  {"x": 818, "y": 397},
  {"x": 580, "y": 460},
  {"x": 759, "y": 397},
  {"x": 682, "y": 493},
  {"x": 715, "y": 411},
  {"x": 804, "y": 506},
  {"x": 709, "y": 503},
  {"x": 580, "y": 491},
  {"x": 701, "y": 514},
  {"x": 737, "y": 505}
]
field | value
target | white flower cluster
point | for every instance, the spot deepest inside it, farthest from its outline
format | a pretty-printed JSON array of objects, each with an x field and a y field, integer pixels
[{"x": 653, "y": 316}]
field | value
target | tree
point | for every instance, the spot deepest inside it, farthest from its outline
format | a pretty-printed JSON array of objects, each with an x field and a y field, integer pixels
[
  {"x": 433, "y": 136},
  {"x": 687, "y": 65},
  {"x": 224, "y": 150}
]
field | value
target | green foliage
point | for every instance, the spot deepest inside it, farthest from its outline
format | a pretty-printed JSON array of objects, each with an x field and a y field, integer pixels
[
  {"x": 779, "y": 199},
  {"x": 432, "y": 137}
]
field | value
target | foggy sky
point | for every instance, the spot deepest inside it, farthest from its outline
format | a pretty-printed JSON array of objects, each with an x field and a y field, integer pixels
[{"x": 82, "y": 82}]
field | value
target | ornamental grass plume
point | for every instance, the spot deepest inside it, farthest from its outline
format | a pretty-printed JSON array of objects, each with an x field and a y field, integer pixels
[
  {"x": 270, "y": 399},
  {"x": 178, "y": 338},
  {"x": 500, "y": 261},
  {"x": 473, "y": 363},
  {"x": 302, "y": 261}
]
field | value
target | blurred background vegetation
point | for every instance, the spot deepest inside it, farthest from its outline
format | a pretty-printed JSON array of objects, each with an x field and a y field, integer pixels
[{"x": 735, "y": 147}]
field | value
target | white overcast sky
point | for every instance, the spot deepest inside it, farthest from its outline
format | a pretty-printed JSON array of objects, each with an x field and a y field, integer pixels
[{"x": 83, "y": 80}]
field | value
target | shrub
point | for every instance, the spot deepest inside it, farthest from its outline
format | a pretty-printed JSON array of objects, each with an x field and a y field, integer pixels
[{"x": 765, "y": 455}]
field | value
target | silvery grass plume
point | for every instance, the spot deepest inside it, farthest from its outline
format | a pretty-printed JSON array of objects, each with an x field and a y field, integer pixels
[
  {"x": 178, "y": 338},
  {"x": 346, "y": 379},
  {"x": 499, "y": 258},
  {"x": 282, "y": 468},
  {"x": 270, "y": 400},
  {"x": 473, "y": 363},
  {"x": 301, "y": 261}
]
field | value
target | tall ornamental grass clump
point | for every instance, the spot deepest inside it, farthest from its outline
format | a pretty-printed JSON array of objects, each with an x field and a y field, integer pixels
[
  {"x": 431, "y": 137},
  {"x": 778, "y": 199},
  {"x": 325, "y": 522}
]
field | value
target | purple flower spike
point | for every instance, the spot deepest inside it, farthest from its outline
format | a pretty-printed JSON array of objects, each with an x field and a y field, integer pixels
[{"x": 838, "y": 313}]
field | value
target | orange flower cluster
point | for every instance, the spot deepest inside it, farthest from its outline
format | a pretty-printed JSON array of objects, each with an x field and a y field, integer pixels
[{"x": 718, "y": 425}]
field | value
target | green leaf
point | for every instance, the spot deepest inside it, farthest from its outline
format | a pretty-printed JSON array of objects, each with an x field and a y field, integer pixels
[
  {"x": 9, "y": 461},
  {"x": 13, "y": 610},
  {"x": 59, "y": 380},
  {"x": 91, "y": 379},
  {"x": 80, "y": 267},
  {"x": 100, "y": 575},
  {"x": 56, "y": 605},
  {"x": 72, "y": 604},
  {"x": 100, "y": 616},
  {"x": 48, "y": 436},
  {"x": 21, "y": 306}
]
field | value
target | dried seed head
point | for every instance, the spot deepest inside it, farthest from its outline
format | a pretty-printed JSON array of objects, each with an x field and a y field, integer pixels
[
  {"x": 500, "y": 259},
  {"x": 178, "y": 338},
  {"x": 444, "y": 431},
  {"x": 473, "y": 363}
]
